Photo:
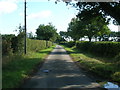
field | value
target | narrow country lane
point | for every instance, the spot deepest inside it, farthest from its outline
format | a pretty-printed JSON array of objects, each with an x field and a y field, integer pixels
[{"x": 59, "y": 71}]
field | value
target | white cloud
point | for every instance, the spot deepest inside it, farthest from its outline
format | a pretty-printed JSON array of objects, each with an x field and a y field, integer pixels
[
  {"x": 42, "y": 14},
  {"x": 7, "y": 6}
]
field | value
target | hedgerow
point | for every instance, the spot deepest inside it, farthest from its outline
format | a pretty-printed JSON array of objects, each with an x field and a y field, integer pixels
[
  {"x": 7, "y": 44},
  {"x": 107, "y": 49},
  {"x": 36, "y": 45},
  {"x": 15, "y": 44}
]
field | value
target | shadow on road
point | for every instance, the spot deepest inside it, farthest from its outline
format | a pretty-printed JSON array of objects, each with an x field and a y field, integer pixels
[
  {"x": 61, "y": 73},
  {"x": 60, "y": 76}
]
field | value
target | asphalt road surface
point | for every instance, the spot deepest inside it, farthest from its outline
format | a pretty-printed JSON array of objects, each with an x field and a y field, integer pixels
[{"x": 59, "y": 71}]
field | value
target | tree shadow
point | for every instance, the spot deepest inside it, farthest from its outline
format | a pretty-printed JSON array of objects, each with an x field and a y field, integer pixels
[
  {"x": 58, "y": 53},
  {"x": 62, "y": 74}
]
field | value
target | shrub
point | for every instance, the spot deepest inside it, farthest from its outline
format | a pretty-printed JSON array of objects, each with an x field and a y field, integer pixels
[
  {"x": 117, "y": 58},
  {"x": 63, "y": 43},
  {"x": 71, "y": 44},
  {"x": 36, "y": 45},
  {"x": 12, "y": 44},
  {"x": 107, "y": 49},
  {"x": 116, "y": 76},
  {"x": 6, "y": 44},
  {"x": 15, "y": 44}
]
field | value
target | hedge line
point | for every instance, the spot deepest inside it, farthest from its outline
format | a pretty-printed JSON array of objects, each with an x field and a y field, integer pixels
[
  {"x": 15, "y": 44},
  {"x": 107, "y": 49},
  {"x": 36, "y": 45},
  {"x": 8, "y": 45}
]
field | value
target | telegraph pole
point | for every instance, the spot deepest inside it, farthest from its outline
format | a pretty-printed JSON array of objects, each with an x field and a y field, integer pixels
[{"x": 25, "y": 27}]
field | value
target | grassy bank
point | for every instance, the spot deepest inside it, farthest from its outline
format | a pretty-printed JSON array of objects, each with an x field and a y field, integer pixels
[
  {"x": 20, "y": 67},
  {"x": 103, "y": 67}
]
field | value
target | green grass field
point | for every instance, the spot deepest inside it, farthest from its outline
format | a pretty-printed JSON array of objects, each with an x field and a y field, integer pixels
[{"x": 14, "y": 72}]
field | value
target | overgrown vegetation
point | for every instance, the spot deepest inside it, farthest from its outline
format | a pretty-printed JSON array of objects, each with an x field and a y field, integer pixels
[
  {"x": 16, "y": 66},
  {"x": 106, "y": 67},
  {"x": 21, "y": 67},
  {"x": 11, "y": 46}
]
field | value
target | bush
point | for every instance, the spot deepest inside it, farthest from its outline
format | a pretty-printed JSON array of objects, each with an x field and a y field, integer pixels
[
  {"x": 107, "y": 49},
  {"x": 116, "y": 76},
  {"x": 6, "y": 44},
  {"x": 12, "y": 44},
  {"x": 48, "y": 44},
  {"x": 36, "y": 45},
  {"x": 70, "y": 44},
  {"x": 117, "y": 58},
  {"x": 15, "y": 44},
  {"x": 63, "y": 43},
  {"x": 84, "y": 46}
]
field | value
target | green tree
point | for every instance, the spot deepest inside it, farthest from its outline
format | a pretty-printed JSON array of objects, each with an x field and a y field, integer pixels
[
  {"x": 104, "y": 33},
  {"x": 107, "y": 8},
  {"x": 46, "y": 32},
  {"x": 30, "y": 35},
  {"x": 94, "y": 23},
  {"x": 59, "y": 39},
  {"x": 75, "y": 29},
  {"x": 20, "y": 40},
  {"x": 63, "y": 34}
]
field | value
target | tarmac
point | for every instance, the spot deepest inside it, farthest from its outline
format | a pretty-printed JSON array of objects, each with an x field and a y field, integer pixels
[{"x": 59, "y": 71}]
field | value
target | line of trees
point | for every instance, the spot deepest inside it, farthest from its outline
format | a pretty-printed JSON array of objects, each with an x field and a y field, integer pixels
[
  {"x": 92, "y": 21},
  {"x": 90, "y": 27}
]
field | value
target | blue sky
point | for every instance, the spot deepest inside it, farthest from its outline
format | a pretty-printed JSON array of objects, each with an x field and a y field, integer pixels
[{"x": 38, "y": 12}]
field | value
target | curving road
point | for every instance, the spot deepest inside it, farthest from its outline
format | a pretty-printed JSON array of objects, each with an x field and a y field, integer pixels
[{"x": 59, "y": 71}]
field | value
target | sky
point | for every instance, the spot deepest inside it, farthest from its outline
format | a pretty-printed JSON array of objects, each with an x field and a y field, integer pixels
[{"x": 38, "y": 12}]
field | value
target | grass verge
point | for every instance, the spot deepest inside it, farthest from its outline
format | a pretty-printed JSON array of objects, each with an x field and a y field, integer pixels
[
  {"x": 14, "y": 72},
  {"x": 109, "y": 71}
]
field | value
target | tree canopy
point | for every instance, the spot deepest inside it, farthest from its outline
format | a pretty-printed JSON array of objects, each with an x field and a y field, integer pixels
[
  {"x": 89, "y": 24},
  {"x": 107, "y": 8},
  {"x": 46, "y": 32},
  {"x": 75, "y": 30}
]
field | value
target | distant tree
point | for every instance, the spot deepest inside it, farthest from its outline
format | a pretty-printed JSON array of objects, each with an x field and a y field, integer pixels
[
  {"x": 46, "y": 32},
  {"x": 20, "y": 39},
  {"x": 59, "y": 39},
  {"x": 30, "y": 35},
  {"x": 63, "y": 34}
]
